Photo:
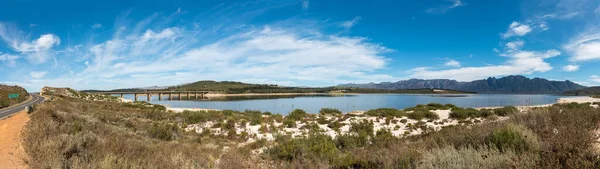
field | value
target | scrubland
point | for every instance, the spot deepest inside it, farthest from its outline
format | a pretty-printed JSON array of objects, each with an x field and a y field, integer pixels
[{"x": 78, "y": 133}]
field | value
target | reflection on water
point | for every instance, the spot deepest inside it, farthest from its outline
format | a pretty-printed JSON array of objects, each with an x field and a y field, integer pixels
[
  {"x": 263, "y": 97},
  {"x": 347, "y": 103}
]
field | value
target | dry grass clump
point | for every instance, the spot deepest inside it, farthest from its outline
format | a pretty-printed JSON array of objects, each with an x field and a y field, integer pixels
[{"x": 472, "y": 158}]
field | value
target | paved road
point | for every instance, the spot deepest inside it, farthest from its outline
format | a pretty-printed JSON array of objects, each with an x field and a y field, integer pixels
[{"x": 8, "y": 111}]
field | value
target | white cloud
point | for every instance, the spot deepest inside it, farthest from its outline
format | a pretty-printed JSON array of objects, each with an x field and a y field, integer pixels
[
  {"x": 37, "y": 51},
  {"x": 595, "y": 78},
  {"x": 453, "y": 63},
  {"x": 519, "y": 62},
  {"x": 514, "y": 45},
  {"x": 174, "y": 55},
  {"x": 305, "y": 4},
  {"x": 8, "y": 59},
  {"x": 349, "y": 24},
  {"x": 37, "y": 75},
  {"x": 517, "y": 29},
  {"x": 571, "y": 68},
  {"x": 444, "y": 9},
  {"x": 584, "y": 48},
  {"x": 96, "y": 26}
]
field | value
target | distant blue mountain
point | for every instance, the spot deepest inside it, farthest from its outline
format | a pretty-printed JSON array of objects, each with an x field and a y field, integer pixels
[{"x": 508, "y": 84}]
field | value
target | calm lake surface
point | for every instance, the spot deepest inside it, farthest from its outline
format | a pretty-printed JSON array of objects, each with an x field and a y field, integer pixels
[{"x": 347, "y": 103}]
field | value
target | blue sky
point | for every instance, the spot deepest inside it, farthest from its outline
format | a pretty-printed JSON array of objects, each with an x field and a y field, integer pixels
[{"x": 113, "y": 44}]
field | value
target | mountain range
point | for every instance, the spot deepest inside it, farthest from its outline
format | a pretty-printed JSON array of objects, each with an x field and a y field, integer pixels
[{"x": 508, "y": 84}]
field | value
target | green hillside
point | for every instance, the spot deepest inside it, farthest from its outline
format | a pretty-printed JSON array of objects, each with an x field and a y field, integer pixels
[
  {"x": 590, "y": 91},
  {"x": 6, "y": 90}
]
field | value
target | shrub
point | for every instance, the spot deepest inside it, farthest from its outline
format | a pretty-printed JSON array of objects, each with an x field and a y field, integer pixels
[
  {"x": 335, "y": 125},
  {"x": 403, "y": 121},
  {"x": 505, "y": 111},
  {"x": 420, "y": 114},
  {"x": 163, "y": 131},
  {"x": 330, "y": 111},
  {"x": 385, "y": 112},
  {"x": 449, "y": 157},
  {"x": 297, "y": 115},
  {"x": 315, "y": 146},
  {"x": 277, "y": 117},
  {"x": 322, "y": 120},
  {"x": 465, "y": 113},
  {"x": 515, "y": 138},
  {"x": 289, "y": 123}
]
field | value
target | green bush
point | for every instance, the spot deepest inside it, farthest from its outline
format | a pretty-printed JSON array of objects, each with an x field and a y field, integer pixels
[
  {"x": 315, "y": 146},
  {"x": 385, "y": 112},
  {"x": 322, "y": 120},
  {"x": 505, "y": 111},
  {"x": 465, "y": 113},
  {"x": 163, "y": 131},
  {"x": 297, "y": 115},
  {"x": 289, "y": 123},
  {"x": 330, "y": 111},
  {"x": 420, "y": 114},
  {"x": 515, "y": 138}
]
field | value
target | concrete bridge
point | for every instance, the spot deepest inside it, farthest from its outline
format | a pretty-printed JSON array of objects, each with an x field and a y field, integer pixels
[{"x": 177, "y": 94}]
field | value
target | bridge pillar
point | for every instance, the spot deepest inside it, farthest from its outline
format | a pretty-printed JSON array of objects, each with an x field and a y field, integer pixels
[
  {"x": 148, "y": 96},
  {"x": 159, "y": 96},
  {"x": 179, "y": 96},
  {"x": 196, "y": 96},
  {"x": 170, "y": 96},
  {"x": 135, "y": 96},
  {"x": 187, "y": 95},
  {"x": 122, "y": 95}
]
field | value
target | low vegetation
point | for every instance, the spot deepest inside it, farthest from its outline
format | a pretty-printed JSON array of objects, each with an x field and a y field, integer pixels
[{"x": 77, "y": 133}]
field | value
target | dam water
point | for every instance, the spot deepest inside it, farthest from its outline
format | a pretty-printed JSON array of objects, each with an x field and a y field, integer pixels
[{"x": 347, "y": 103}]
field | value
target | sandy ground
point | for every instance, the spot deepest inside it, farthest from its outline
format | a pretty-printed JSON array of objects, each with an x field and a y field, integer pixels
[{"x": 12, "y": 154}]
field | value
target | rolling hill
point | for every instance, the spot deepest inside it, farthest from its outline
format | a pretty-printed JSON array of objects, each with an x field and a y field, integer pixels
[{"x": 590, "y": 91}]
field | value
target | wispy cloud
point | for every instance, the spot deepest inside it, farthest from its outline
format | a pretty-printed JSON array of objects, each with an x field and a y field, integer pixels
[
  {"x": 305, "y": 4},
  {"x": 517, "y": 29},
  {"x": 96, "y": 26},
  {"x": 347, "y": 25},
  {"x": 8, "y": 59},
  {"x": 143, "y": 55},
  {"x": 584, "y": 47},
  {"x": 452, "y": 63},
  {"x": 36, "y": 51},
  {"x": 570, "y": 68},
  {"x": 519, "y": 62},
  {"x": 37, "y": 75},
  {"x": 444, "y": 9}
]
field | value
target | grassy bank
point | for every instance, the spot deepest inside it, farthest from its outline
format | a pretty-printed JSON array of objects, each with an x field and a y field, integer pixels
[{"x": 76, "y": 133}]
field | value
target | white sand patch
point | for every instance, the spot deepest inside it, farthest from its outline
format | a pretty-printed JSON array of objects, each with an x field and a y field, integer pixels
[
  {"x": 179, "y": 110},
  {"x": 583, "y": 99}
]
